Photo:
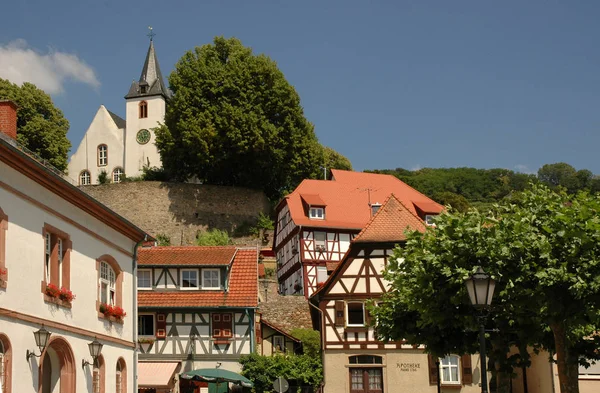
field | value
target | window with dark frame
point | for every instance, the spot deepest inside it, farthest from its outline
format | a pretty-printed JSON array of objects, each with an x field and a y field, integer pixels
[
  {"x": 145, "y": 325},
  {"x": 143, "y": 107}
]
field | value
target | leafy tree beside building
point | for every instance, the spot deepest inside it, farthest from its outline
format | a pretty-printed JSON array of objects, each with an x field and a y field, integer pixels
[{"x": 41, "y": 127}]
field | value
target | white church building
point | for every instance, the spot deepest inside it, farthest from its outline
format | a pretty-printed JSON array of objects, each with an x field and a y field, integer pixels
[{"x": 124, "y": 146}]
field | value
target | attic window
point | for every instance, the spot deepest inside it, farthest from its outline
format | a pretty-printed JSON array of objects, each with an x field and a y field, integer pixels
[
  {"x": 429, "y": 219},
  {"x": 375, "y": 207},
  {"x": 143, "y": 89},
  {"x": 317, "y": 213}
]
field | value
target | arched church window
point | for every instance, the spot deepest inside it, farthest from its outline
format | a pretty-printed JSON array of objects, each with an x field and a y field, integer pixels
[
  {"x": 143, "y": 109},
  {"x": 85, "y": 178},
  {"x": 116, "y": 175},
  {"x": 102, "y": 155}
]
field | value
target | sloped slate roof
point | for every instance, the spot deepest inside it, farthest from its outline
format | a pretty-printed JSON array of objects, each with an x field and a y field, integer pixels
[
  {"x": 151, "y": 76},
  {"x": 390, "y": 223},
  {"x": 243, "y": 288},
  {"x": 119, "y": 121},
  {"x": 347, "y": 197}
]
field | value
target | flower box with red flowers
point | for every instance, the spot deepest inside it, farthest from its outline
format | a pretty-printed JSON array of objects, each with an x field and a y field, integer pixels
[
  {"x": 52, "y": 290},
  {"x": 112, "y": 312},
  {"x": 66, "y": 295}
]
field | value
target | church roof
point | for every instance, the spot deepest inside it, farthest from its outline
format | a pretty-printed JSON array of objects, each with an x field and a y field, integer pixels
[
  {"x": 119, "y": 121},
  {"x": 151, "y": 78}
]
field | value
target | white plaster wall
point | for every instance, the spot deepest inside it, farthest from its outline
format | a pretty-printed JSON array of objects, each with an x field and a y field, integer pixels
[
  {"x": 136, "y": 155},
  {"x": 25, "y": 256},
  {"x": 102, "y": 130},
  {"x": 25, "y": 377}
]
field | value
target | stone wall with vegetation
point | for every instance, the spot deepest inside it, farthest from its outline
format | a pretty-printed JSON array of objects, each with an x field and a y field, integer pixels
[{"x": 180, "y": 210}]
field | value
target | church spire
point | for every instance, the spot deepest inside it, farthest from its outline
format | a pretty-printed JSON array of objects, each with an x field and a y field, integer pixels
[{"x": 151, "y": 82}]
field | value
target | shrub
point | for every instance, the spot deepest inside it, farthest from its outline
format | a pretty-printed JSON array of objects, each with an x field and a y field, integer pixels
[
  {"x": 311, "y": 341},
  {"x": 103, "y": 177},
  {"x": 163, "y": 240},
  {"x": 213, "y": 237}
]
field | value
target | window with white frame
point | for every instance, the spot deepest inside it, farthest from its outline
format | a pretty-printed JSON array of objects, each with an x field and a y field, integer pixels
[
  {"x": 320, "y": 241},
  {"x": 48, "y": 255},
  {"x": 144, "y": 279},
  {"x": 107, "y": 284},
  {"x": 593, "y": 371},
  {"x": 321, "y": 274},
  {"x": 317, "y": 213},
  {"x": 211, "y": 278},
  {"x": 189, "y": 279},
  {"x": 449, "y": 366},
  {"x": 429, "y": 219},
  {"x": 117, "y": 173},
  {"x": 102, "y": 155},
  {"x": 85, "y": 179},
  {"x": 145, "y": 325},
  {"x": 355, "y": 314}
]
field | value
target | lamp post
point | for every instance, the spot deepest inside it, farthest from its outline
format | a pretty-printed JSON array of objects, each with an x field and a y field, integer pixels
[
  {"x": 41, "y": 340},
  {"x": 480, "y": 287}
]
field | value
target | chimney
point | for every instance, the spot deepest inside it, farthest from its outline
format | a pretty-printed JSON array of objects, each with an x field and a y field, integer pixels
[
  {"x": 8, "y": 118},
  {"x": 375, "y": 207}
]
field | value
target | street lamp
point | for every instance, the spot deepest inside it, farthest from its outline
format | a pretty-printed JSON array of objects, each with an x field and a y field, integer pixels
[
  {"x": 480, "y": 287},
  {"x": 95, "y": 348},
  {"x": 41, "y": 340}
]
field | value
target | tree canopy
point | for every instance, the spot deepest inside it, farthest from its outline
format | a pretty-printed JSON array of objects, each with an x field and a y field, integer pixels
[
  {"x": 235, "y": 120},
  {"x": 542, "y": 248},
  {"x": 41, "y": 127}
]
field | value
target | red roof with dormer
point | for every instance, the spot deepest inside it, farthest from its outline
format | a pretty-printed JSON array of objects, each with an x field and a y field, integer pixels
[
  {"x": 188, "y": 255},
  {"x": 242, "y": 281},
  {"x": 348, "y": 197}
]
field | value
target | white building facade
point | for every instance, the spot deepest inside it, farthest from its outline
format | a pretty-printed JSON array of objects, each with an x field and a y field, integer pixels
[
  {"x": 120, "y": 146},
  {"x": 66, "y": 267}
]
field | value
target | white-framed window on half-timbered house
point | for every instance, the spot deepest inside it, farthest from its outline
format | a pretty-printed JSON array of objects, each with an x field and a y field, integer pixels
[
  {"x": 355, "y": 314},
  {"x": 189, "y": 279},
  {"x": 144, "y": 279},
  {"x": 211, "y": 278},
  {"x": 320, "y": 239}
]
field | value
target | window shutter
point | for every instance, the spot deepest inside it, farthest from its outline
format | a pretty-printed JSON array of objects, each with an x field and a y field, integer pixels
[
  {"x": 216, "y": 325},
  {"x": 161, "y": 326},
  {"x": 433, "y": 370},
  {"x": 339, "y": 313},
  {"x": 467, "y": 371}
]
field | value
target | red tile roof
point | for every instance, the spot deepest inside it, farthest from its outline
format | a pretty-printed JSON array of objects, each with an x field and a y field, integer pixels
[
  {"x": 243, "y": 287},
  {"x": 312, "y": 200},
  {"x": 390, "y": 223},
  {"x": 180, "y": 256},
  {"x": 347, "y": 197}
]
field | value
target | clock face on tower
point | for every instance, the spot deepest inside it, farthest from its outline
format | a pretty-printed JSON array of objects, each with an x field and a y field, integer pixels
[{"x": 143, "y": 136}]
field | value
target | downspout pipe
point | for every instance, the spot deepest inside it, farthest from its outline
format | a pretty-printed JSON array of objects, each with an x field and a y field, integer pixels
[
  {"x": 135, "y": 310},
  {"x": 322, "y": 320}
]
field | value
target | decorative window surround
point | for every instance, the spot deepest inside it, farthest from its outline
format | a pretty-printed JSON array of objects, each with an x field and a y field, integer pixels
[
  {"x": 57, "y": 258},
  {"x": 3, "y": 232},
  {"x": 118, "y": 286}
]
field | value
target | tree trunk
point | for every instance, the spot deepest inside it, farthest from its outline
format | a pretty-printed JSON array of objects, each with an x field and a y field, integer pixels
[
  {"x": 501, "y": 376},
  {"x": 568, "y": 368}
]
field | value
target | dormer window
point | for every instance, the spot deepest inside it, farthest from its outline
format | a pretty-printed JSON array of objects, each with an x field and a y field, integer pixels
[
  {"x": 375, "y": 207},
  {"x": 211, "y": 278},
  {"x": 429, "y": 219},
  {"x": 317, "y": 213},
  {"x": 189, "y": 279}
]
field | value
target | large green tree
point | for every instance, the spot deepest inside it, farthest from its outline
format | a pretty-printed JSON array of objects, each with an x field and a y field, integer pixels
[
  {"x": 235, "y": 120},
  {"x": 542, "y": 247},
  {"x": 41, "y": 127}
]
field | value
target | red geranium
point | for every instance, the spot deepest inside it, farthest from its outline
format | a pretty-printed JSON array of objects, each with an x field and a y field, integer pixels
[
  {"x": 66, "y": 295},
  {"x": 52, "y": 290}
]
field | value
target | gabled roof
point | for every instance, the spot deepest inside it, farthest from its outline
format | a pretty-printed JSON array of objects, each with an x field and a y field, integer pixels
[
  {"x": 242, "y": 291},
  {"x": 186, "y": 256},
  {"x": 390, "y": 223},
  {"x": 278, "y": 329},
  {"x": 151, "y": 77},
  {"x": 348, "y": 196},
  {"x": 119, "y": 121}
]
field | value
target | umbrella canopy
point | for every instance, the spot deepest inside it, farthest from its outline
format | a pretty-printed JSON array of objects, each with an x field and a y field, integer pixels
[{"x": 217, "y": 375}]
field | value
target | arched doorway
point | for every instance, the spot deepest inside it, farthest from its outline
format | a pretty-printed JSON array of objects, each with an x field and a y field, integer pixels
[
  {"x": 57, "y": 368},
  {"x": 5, "y": 364}
]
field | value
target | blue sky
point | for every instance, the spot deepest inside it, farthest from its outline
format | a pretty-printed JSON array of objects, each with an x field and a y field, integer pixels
[{"x": 511, "y": 84}]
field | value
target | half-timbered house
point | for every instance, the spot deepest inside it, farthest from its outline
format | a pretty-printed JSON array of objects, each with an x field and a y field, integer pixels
[
  {"x": 354, "y": 360},
  {"x": 318, "y": 220},
  {"x": 196, "y": 310}
]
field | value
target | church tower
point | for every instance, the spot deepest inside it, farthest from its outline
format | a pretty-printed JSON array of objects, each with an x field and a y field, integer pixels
[{"x": 145, "y": 106}]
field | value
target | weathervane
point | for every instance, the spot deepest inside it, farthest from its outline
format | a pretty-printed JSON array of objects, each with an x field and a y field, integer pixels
[{"x": 151, "y": 34}]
